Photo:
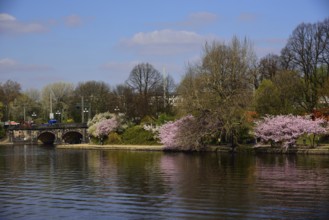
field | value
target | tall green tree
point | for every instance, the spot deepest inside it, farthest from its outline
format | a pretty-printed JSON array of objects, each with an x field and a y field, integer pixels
[
  {"x": 267, "y": 98},
  {"x": 9, "y": 91},
  {"x": 220, "y": 90},
  {"x": 280, "y": 95}
]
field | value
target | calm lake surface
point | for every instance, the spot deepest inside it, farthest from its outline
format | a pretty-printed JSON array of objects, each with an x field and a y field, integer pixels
[{"x": 39, "y": 182}]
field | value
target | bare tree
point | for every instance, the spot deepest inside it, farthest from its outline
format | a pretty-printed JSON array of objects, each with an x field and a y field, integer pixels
[
  {"x": 126, "y": 100},
  {"x": 169, "y": 88},
  {"x": 145, "y": 80},
  {"x": 269, "y": 66},
  {"x": 306, "y": 51}
]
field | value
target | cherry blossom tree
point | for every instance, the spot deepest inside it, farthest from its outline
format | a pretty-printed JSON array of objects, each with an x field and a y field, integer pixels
[
  {"x": 103, "y": 124},
  {"x": 170, "y": 133},
  {"x": 103, "y": 128},
  {"x": 286, "y": 129},
  {"x": 92, "y": 124}
]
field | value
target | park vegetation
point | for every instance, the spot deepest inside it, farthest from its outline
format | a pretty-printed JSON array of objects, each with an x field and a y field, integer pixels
[{"x": 229, "y": 97}]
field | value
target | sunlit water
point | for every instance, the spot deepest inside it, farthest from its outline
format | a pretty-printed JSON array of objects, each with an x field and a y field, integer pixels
[{"x": 47, "y": 183}]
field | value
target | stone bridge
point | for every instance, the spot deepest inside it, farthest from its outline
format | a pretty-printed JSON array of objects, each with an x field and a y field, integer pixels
[{"x": 49, "y": 134}]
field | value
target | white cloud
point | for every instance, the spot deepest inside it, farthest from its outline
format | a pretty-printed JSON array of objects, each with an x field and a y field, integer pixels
[
  {"x": 73, "y": 21},
  {"x": 6, "y": 62},
  {"x": 9, "y": 24},
  {"x": 8, "y": 65},
  {"x": 7, "y": 17},
  {"x": 165, "y": 42}
]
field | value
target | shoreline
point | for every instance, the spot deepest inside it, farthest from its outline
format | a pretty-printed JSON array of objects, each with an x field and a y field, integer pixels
[
  {"x": 320, "y": 150},
  {"x": 260, "y": 149},
  {"x": 112, "y": 147}
]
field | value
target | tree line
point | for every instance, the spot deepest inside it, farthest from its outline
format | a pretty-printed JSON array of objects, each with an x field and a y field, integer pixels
[
  {"x": 223, "y": 92},
  {"x": 229, "y": 87},
  {"x": 143, "y": 94}
]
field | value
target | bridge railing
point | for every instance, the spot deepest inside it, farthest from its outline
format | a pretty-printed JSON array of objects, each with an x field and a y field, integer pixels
[{"x": 48, "y": 126}]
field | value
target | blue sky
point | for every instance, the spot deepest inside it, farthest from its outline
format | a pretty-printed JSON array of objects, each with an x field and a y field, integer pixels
[{"x": 42, "y": 42}]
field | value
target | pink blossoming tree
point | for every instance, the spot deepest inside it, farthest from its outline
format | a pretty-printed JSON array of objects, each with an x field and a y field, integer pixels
[
  {"x": 286, "y": 129},
  {"x": 170, "y": 134},
  {"x": 103, "y": 124},
  {"x": 103, "y": 128},
  {"x": 92, "y": 124}
]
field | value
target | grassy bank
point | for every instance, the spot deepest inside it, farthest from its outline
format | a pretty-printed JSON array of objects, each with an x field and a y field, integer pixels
[
  {"x": 112, "y": 147},
  {"x": 241, "y": 149}
]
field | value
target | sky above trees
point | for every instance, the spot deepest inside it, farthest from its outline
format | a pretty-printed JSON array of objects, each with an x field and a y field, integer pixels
[{"x": 42, "y": 42}]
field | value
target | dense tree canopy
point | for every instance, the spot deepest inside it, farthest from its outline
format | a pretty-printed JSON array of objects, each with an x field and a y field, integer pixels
[
  {"x": 220, "y": 88},
  {"x": 9, "y": 91}
]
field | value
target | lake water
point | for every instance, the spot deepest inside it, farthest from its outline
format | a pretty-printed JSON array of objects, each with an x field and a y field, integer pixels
[{"x": 39, "y": 182}]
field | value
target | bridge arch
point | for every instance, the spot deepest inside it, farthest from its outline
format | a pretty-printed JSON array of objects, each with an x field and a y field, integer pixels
[
  {"x": 72, "y": 137},
  {"x": 47, "y": 137}
]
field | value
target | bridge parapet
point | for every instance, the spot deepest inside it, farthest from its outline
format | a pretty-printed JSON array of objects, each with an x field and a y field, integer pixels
[
  {"x": 50, "y": 134},
  {"x": 48, "y": 126}
]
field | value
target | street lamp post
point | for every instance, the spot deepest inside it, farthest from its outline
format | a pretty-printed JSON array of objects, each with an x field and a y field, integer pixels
[
  {"x": 116, "y": 110},
  {"x": 85, "y": 110},
  {"x": 34, "y": 115},
  {"x": 59, "y": 116}
]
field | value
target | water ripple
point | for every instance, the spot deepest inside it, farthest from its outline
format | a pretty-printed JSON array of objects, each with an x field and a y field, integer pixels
[{"x": 153, "y": 185}]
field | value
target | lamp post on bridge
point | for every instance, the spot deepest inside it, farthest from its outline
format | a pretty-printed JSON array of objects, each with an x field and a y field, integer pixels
[
  {"x": 59, "y": 116},
  {"x": 85, "y": 110},
  {"x": 34, "y": 115}
]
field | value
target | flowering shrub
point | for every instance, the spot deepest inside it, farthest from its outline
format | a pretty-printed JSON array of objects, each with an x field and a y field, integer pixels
[
  {"x": 100, "y": 117},
  {"x": 103, "y": 128},
  {"x": 92, "y": 124},
  {"x": 169, "y": 133},
  {"x": 102, "y": 124},
  {"x": 286, "y": 129}
]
